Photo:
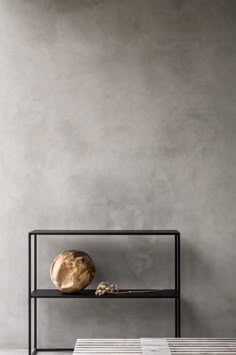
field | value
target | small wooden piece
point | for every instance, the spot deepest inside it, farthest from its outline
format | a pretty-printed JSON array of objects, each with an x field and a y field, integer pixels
[
  {"x": 106, "y": 287},
  {"x": 72, "y": 270}
]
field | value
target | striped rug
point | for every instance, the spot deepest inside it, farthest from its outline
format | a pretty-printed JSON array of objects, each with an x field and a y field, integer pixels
[{"x": 155, "y": 346}]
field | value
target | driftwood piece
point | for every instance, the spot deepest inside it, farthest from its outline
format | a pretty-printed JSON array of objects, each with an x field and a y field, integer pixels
[
  {"x": 72, "y": 270},
  {"x": 106, "y": 287}
]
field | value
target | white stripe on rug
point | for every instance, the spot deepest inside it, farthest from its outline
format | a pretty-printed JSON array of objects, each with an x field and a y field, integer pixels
[
  {"x": 108, "y": 347},
  {"x": 184, "y": 346},
  {"x": 155, "y": 346}
]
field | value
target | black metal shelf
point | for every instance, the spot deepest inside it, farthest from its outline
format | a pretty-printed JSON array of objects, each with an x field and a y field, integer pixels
[
  {"x": 36, "y": 293},
  {"x": 90, "y": 293},
  {"x": 104, "y": 232}
]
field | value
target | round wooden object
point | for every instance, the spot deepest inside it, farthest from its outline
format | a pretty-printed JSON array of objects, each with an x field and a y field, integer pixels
[{"x": 72, "y": 270}]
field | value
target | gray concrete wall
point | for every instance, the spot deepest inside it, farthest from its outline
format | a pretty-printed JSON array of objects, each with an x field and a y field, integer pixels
[{"x": 119, "y": 114}]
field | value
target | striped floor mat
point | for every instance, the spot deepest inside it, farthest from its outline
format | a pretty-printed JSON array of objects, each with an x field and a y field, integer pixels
[{"x": 155, "y": 346}]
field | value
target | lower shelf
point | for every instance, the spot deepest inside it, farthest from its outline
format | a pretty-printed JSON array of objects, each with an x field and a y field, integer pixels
[{"x": 90, "y": 293}]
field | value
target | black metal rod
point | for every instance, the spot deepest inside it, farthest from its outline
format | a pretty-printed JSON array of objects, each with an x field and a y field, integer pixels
[
  {"x": 176, "y": 318},
  {"x": 54, "y": 349},
  {"x": 29, "y": 293},
  {"x": 176, "y": 264},
  {"x": 104, "y": 232},
  {"x": 178, "y": 287},
  {"x": 35, "y": 288},
  {"x": 35, "y": 261}
]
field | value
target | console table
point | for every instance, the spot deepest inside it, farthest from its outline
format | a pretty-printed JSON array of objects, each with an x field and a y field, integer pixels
[{"x": 35, "y": 293}]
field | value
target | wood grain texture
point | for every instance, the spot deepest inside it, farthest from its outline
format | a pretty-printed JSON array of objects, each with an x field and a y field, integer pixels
[{"x": 72, "y": 271}]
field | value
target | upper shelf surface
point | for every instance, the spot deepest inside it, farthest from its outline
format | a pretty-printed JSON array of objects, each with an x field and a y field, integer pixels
[{"x": 103, "y": 232}]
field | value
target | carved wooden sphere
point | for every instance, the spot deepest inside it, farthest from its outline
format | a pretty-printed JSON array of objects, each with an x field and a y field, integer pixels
[{"x": 72, "y": 270}]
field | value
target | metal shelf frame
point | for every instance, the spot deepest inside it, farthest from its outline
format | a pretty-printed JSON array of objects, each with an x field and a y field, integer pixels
[{"x": 34, "y": 293}]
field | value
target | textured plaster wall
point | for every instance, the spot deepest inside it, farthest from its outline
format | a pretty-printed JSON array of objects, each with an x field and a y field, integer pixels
[{"x": 119, "y": 114}]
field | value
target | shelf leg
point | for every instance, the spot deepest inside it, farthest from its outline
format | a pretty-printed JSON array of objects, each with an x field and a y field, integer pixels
[
  {"x": 35, "y": 287},
  {"x": 177, "y": 318},
  {"x": 29, "y": 328},
  {"x": 29, "y": 294},
  {"x": 179, "y": 298},
  {"x": 177, "y": 287}
]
